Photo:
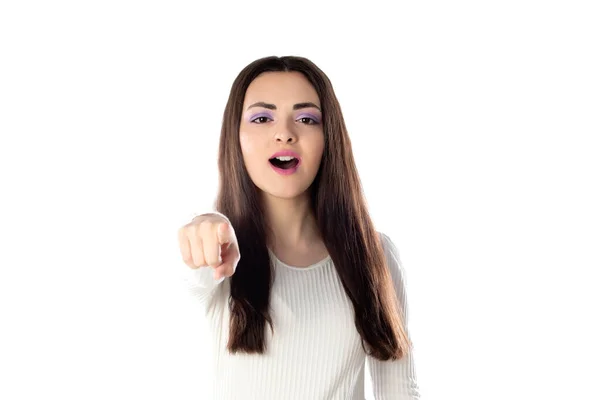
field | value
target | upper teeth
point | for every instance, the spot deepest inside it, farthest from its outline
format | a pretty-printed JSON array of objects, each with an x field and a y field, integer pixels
[{"x": 285, "y": 158}]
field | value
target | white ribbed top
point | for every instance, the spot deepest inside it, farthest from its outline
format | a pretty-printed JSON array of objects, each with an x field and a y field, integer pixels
[{"x": 315, "y": 352}]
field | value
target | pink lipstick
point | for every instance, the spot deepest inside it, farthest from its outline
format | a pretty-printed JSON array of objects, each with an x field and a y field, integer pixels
[{"x": 285, "y": 162}]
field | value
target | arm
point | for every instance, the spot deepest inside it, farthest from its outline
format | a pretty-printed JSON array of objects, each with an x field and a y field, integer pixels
[
  {"x": 395, "y": 380},
  {"x": 200, "y": 282}
]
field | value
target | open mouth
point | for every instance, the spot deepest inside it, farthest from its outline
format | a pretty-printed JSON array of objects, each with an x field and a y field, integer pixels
[{"x": 285, "y": 163}]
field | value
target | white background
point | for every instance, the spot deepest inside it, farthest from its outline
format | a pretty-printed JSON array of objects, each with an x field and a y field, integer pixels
[{"x": 475, "y": 126}]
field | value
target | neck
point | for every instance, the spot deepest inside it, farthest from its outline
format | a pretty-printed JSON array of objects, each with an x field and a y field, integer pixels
[{"x": 291, "y": 221}]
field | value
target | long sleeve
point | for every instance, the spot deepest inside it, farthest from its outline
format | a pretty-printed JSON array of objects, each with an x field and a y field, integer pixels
[
  {"x": 395, "y": 380},
  {"x": 200, "y": 282}
]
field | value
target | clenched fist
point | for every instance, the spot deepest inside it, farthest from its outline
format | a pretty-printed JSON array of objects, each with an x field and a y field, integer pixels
[{"x": 209, "y": 240}]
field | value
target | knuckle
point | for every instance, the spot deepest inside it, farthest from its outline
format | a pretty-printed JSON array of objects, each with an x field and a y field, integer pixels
[
  {"x": 204, "y": 222},
  {"x": 205, "y": 229},
  {"x": 183, "y": 232},
  {"x": 188, "y": 231},
  {"x": 197, "y": 228},
  {"x": 197, "y": 256},
  {"x": 211, "y": 261}
]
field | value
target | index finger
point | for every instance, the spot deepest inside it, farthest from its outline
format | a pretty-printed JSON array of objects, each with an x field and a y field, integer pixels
[{"x": 224, "y": 233}]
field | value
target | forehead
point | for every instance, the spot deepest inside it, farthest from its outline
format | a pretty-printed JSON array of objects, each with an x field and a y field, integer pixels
[{"x": 280, "y": 88}]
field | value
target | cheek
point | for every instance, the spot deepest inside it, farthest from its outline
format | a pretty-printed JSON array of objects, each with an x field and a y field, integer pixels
[
  {"x": 252, "y": 150},
  {"x": 322, "y": 143},
  {"x": 247, "y": 145},
  {"x": 319, "y": 147}
]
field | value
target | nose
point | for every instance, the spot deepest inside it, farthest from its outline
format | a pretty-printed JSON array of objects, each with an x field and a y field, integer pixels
[{"x": 285, "y": 136}]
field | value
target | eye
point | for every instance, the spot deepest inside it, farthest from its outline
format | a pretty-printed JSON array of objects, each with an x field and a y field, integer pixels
[
  {"x": 308, "y": 121},
  {"x": 261, "y": 119}
]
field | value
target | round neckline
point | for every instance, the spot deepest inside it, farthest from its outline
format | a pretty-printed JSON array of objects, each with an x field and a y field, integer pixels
[{"x": 296, "y": 268}]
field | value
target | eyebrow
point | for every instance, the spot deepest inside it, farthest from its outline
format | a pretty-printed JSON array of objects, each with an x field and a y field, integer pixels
[{"x": 298, "y": 106}]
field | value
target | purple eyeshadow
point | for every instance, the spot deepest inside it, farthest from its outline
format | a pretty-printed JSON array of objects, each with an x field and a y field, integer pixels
[
  {"x": 312, "y": 116},
  {"x": 254, "y": 116}
]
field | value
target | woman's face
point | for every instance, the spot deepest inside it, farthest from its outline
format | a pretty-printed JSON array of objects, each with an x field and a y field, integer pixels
[{"x": 282, "y": 112}]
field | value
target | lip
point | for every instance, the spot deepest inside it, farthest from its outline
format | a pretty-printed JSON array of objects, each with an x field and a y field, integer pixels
[{"x": 286, "y": 153}]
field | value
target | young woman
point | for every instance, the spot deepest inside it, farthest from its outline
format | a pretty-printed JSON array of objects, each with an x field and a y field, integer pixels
[{"x": 298, "y": 286}]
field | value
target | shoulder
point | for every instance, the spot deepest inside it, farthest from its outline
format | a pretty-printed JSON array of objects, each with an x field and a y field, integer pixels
[
  {"x": 389, "y": 247},
  {"x": 392, "y": 256}
]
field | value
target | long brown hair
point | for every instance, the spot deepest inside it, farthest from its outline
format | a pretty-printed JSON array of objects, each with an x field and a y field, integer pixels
[{"x": 339, "y": 206}]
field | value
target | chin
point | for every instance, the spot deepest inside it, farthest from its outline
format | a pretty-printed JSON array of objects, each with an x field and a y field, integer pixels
[
  {"x": 284, "y": 194},
  {"x": 282, "y": 190},
  {"x": 289, "y": 192}
]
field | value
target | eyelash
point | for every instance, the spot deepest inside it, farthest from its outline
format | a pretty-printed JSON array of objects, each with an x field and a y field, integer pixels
[{"x": 314, "y": 121}]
